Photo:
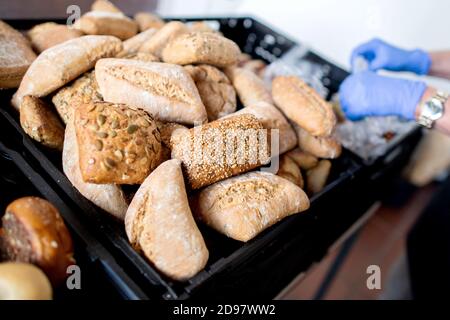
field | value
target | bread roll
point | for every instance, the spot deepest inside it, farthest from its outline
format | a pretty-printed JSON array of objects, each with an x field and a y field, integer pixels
[
  {"x": 241, "y": 207},
  {"x": 289, "y": 170},
  {"x": 141, "y": 56},
  {"x": 221, "y": 149},
  {"x": 272, "y": 118},
  {"x": 201, "y": 47},
  {"x": 159, "y": 224},
  {"x": 249, "y": 87},
  {"x": 23, "y": 281},
  {"x": 104, "y": 5},
  {"x": 163, "y": 36},
  {"x": 41, "y": 123},
  {"x": 215, "y": 89},
  {"x": 49, "y": 34},
  {"x": 303, "y": 159},
  {"x": 316, "y": 178},
  {"x": 303, "y": 105},
  {"x": 116, "y": 144},
  {"x": 147, "y": 20},
  {"x": 15, "y": 58},
  {"x": 133, "y": 44},
  {"x": 69, "y": 98},
  {"x": 107, "y": 23},
  {"x": 63, "y": 63},
  {"x": 167, "y": 130},
  {"x": 321, "y": 147},
  {"x": 165, "y": 91},
  {"x": 201, "y": 26},
  {"x": 109, "y": 197},
  {"x": 35, "y": 233},
  {"x": 256, "y": 66}
]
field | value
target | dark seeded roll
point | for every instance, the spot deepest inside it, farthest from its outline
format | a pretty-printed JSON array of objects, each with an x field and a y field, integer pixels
[{"x": 34, "y": 232}]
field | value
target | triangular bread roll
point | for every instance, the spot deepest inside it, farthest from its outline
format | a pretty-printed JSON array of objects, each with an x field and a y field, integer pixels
[
  {"x": 243, "y": 206},
  {"x": 160, "y": 224},
  {"x": 109, "y": 197}
]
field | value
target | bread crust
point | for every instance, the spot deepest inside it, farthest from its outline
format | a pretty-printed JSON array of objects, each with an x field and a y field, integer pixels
[
  {"x": 50, "y": 34},
  {"x": 35, "y": 233},
  {"x": 41, "y": 123},
  {"x": 165, "y": 91},
  {"x": 303, "y": 159},
  {"x": 201, "y": 48},
  {"x": 64, "y": 63},
  {"x": 109, "y": 197},
  {"x": 163, "y": 36},
  {"x": 215, "y": 89},
  {"x": 241, "y": 207},
  {"x": 117, "y": 144},
  {"x": 303, "y": 105},
  {"x": 249, "y": 87},
  {"x": 23, "y": 281},
  {"x": 69, "y": 98},
  {"x": 321, "y": 147},
  {"x": 15, "y": 58},
  {"x": 289, "y": 170},
  {"x": 316, "y": 178},
  {"x": 272, "y": 118},
  {"x": 147, "y": 20},
  {"x": 159, "y": 223},
  {"x": 107, "y": 23},
  {"x": 104, "y": 5},
  {"x": 133, "y": 44},
  {"x": 221, "y": 149}
]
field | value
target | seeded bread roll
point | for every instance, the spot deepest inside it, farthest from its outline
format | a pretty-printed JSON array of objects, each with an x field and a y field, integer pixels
[
  {"x": 303, "y": 159},
  {"x": 221, "y": 149},
  {"x": 289, "y": 170},
  {"x": 117, "y": 144},
  {"x": 159, "y": 224},
  {"x": 81, "y": 91},
  {"x": 107, "y": 23},
  {"x": 303, "y": 105},
  {"x": 41, "y": 123},
  {"x": 241, "y": 207},
  {"x": 215, "y": 89},
  {"x": 104, "y": 5},
  {"x": 249, "y": 87},
  {"x": 35, "y": 233},
  {"x": 272, "y": 118},
  {"x": 163, "y": 36},
  {"x": 23, "y": 281},
  {"x": 316, "y": 178},
  {"x": 201, "y": 47},
  {"x": 321, "y": 147},
  {"x": 15, "y": 58},
  {"x": 109, "y": 197},
  {"x": 147, "y": 20},
  {"x": 133, "y": 44},
  {"x": 49, "y": 34},
  {"x": 63, "y": 63},
  {"x": 165, "y": 91}
]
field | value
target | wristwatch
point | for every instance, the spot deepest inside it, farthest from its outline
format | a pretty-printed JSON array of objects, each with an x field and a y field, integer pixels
[{"x": 432, "y": 110}]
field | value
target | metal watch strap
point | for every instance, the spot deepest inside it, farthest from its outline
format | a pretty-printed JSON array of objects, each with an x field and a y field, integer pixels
[{"x": 427, "y": 122}]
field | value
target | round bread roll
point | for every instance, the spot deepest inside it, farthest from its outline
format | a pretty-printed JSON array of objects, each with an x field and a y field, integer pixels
[
  {"x": 22, "y": 281},
  {"x": 34, "y": 232}
]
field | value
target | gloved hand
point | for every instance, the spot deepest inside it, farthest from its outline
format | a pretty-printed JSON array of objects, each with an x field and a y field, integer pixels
[
  {"x": 381, "y": 55},
  {"x": 368, "y": 94}
]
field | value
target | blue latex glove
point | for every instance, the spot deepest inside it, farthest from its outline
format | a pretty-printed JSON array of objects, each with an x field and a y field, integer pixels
[
  {"x": 369, "y": 94},
  {"x": 381, "y": 55}
]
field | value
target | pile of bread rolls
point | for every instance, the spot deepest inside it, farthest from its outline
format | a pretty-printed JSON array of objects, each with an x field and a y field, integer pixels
[
  {"x": 134, "y": 106},
  {"x": 35, "y": 250}
]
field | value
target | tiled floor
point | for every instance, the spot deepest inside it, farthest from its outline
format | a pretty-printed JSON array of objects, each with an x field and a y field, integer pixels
[{"x": 381, "y": 242}]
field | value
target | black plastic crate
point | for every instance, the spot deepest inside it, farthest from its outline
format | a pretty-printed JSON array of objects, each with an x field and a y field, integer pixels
[{"x": 231, "y": 262}]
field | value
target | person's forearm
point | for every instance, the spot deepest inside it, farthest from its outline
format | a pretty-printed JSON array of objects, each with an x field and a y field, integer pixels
[
  {"x": 443, "y": 124},
  {"x": 440, "y": 64}
]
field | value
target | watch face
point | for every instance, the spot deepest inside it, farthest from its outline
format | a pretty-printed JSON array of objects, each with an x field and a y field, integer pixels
[{"x": 433, "y": 110}]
